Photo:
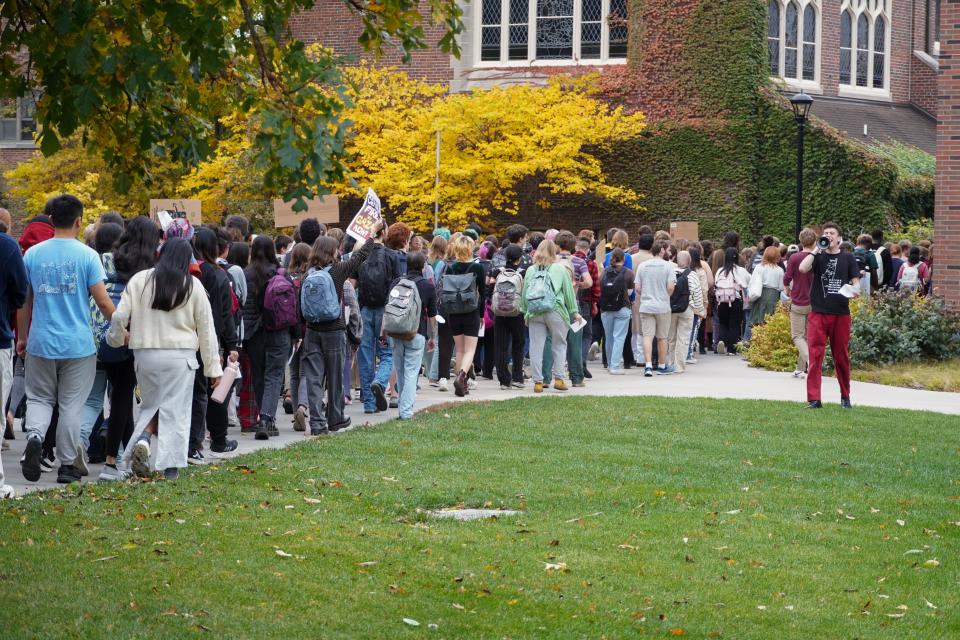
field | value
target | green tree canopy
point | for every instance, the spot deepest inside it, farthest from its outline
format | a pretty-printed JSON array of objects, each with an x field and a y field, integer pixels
[{"x": 151, "y": 79}]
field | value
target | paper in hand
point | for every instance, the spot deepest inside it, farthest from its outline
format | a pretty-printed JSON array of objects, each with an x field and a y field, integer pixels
[
  {"x": 850, "y": 291},
  {"x": 578, "y": 325}
]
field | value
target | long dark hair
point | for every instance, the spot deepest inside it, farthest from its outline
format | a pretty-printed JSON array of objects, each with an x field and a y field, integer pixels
[
  {"x": 205, "y": 245},
  {"x": 731, "y": 259},
  {"x": 263, "y": 262},
  {"x": 239, "y": 254},
  {"x": 106, "y": 237},
  {"x": 172, "y": 282},
  {"x": 137, "y": 248}
]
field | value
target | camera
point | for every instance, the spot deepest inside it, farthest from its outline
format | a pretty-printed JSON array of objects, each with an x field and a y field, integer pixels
[{"x": 823, "y": 242}]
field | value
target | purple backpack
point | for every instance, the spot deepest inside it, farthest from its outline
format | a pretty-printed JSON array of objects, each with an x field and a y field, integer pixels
[{"x": 280, "y": 303}]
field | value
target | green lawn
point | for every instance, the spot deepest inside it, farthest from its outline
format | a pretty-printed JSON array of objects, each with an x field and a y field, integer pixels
[{"x": 710, "y": 519}]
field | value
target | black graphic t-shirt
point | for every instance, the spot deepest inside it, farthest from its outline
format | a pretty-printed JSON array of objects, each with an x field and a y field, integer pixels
[{"x": 830, "y": 272}]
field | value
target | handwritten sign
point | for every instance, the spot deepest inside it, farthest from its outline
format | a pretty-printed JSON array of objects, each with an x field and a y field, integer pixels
[
  {"x": 325, "y": 210},
  {"x": 363, "y": 224},
  {"x": 177, "y": 208}
]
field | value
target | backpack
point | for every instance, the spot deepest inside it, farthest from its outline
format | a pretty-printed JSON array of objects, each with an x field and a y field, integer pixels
[
  {"x": 280, "y": 303},
  {"x": 539, "y": 293},
  {"x": 726, "y": 289},
  {"x": 680, "y": 298},
  {"x": 106, "y": 353},
  {"x": 318, "y": 297},
  {"x": 374, "y": 277},
  {"x": 458, "y": 292},
  {"x": 910, "y": 280},
  {"x": 613, "y": 294},
  {"x": 878, "y": 255},
  {"x": 401, "y": 315},
  {"x": 506, "y": 294}
]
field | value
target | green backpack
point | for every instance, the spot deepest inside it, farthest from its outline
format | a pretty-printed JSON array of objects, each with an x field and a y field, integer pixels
[{"x": 539, "y": 293}]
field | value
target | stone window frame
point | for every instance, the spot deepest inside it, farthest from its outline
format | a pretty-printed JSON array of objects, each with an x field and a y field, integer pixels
[
  {"x": 873, "y": 10},
  {"x": 798, "y": 82},
  {"x": 531, "y": 59}
]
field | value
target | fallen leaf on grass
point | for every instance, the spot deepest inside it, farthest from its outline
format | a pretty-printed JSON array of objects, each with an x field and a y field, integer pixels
[
  {"x": 895, "y": 615},
  {"x": 733, "y": 512},
  {"x": 389, "y": 478},
  {"x": 931, "y": 564},
  {"x": 678, "y": 632},
  {"x": 283, "y": 554},
  {"x": 459, "y": 606},
  {"x": 558, "y": 566},
  {"x": 411, "y": 622},
  {"x": 930, "y": 604},
  {"x": 627, "y": 546},
  {"x": 901, "y": 523},
  {"x": 368, "y": 563},
  {"x": 311, "y": 500},
  {"x": 104, "y": 558}
]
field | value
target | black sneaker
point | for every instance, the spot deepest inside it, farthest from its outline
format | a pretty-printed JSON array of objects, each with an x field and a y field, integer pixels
[
  {"x": 319, "y": 432},
  {"x": 30, "y": 462},
  {"x": 196, "y": 457},
  {"x": 68, "y": 474},
  {"x": 587, "y": 374},
  {"x": 815, "y": 404},
  {"x": 845, "y": 403},
  {"x": 342, "y": 425},
  {"x": 227, "y": 447},
  {"x": 272, "y": 429},
  {"x": 262, "y": 432},
  {"x": 288, "y": 406},
  {"x": 48, "y": 462},
  {"x": 379, "y": 396}
]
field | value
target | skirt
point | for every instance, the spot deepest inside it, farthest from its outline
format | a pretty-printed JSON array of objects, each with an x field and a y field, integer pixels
[
  {"x": 166, "y": 378},
  {"x": 764, "y": 306}
]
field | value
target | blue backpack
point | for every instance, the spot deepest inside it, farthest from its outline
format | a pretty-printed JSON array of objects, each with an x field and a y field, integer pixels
[
  {"x": 318, "y": 297},
  {"x": 539, "y": 293}
]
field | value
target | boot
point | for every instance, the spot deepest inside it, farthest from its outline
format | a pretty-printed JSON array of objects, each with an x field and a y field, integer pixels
[
  {"x": 262, "y": 430},
  {"x": 272, "y": 428}
]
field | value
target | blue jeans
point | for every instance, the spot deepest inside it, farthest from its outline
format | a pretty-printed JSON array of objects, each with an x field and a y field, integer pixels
[
  {"x": 615, "y": 327},
  {"x": 409, "y": 355},
  {"x": 93, "y": 407},
  {"x": 370, "y": 348}
]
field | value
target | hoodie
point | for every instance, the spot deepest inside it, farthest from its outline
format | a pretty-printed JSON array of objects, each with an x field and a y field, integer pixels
[
  {"x": 37, "y": 230},
  {"x": 13, "y": 288}
]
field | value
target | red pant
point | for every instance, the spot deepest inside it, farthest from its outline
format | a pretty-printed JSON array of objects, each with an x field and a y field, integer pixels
[{"x": 821, "y": 326}]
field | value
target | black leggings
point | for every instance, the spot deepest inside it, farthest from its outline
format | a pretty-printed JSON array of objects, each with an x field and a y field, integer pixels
[
  {"x": 508, "y": 334},
  {"x": 445, "y": 350},
  {"x": 731, "y": 317},
  {"x": 122, "y": 379}
]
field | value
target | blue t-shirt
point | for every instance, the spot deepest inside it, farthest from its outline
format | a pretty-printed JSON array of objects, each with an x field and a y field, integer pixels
[{"x": 61, "y": 273}]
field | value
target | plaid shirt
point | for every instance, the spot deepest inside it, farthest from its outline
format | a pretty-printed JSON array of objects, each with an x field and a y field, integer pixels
[{"x": 591, "y": 295}]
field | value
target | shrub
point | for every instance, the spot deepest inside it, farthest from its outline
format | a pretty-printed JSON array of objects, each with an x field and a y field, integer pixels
[
  {"x": 897, "y": 326},
  {"x": 771, "y": 344},
  {"x": 890, "y": 327}
]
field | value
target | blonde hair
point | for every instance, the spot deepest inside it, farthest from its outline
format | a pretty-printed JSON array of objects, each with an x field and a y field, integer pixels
[
  {"x": 462, "y": 248},
  {"x": 620, "y": 240},
  {"x": 546, "y": 253}
]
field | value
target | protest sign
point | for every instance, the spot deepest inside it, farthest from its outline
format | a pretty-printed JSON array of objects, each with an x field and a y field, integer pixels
[
  {"x": 686, "y": 230},
  {"x": 363, "y": 224},
  {"x": 177, "y": 208},
  {"x": 325, "y": 210}
]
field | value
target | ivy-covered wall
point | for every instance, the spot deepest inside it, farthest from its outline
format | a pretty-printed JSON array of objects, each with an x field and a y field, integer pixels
[{"x": 721, "y": 148}]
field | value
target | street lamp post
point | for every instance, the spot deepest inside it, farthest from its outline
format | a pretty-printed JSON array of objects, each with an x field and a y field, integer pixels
[{"x": 801, "y": 108}]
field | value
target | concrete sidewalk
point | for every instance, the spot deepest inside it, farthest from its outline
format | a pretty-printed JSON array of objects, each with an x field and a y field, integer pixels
[{"x": 714, "y": 377}]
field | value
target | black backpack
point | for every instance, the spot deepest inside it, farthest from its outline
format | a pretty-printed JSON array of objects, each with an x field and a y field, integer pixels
[
  {"x": 375, "y": 276},
  {"x": 613, "y": 295},
  {"x": 680, "y": 298}
]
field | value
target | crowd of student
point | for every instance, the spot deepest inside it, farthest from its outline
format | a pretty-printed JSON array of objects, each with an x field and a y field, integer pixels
[{"x": 154, "y": 314}]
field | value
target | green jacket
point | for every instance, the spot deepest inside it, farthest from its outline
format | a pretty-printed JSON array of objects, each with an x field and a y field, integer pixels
[{"x": 562, "y": 285}]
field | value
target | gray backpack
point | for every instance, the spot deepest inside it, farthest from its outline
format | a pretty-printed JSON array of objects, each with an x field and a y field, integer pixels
[{"x": 401, "y": 314}]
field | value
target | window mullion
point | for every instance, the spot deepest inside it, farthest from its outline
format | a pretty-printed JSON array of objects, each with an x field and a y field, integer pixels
[
  {"x": 577, "y": 7},
  {"x": 532, "y": 31},
  {"x": 504, "y": 30},
  {"x": 782, "y": 49},
  {"x": 604, "y": 30}
]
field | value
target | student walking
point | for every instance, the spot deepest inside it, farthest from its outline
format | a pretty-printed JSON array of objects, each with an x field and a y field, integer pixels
[
  {"x": 547, "y": 304},
  {"x": 655, "y": 281},
  {"x": 767, "y": 279},
  {"x": 54, "y": 336},
  {"x": 798, "y": 288},
  {"x": 13, "y": 294},
  {"x": 375, "y": 357},
  {"x": 164, "y": 317},
  {"x": 729, "y": 285},
  {"x": 615, "y": 290},
  {"x": 686, "y": 303},
  {"x": 462, "y": 288},
  {"x": 508, "y": 325}
]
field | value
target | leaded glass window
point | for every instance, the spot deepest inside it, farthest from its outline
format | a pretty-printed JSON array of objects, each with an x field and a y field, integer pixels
[
  {"x": 773, "y": 36},
  {"x": 790, "y": 42},
  {"x": 863, "y": 50},
  {"x": 17, "y": 120},
  {"x": 809, "y": 42},
  {"x": 490, "y": 29},
  {"x": 879, "y": 49},
  {"x": 846, "y": 45},
  {"x": 594, "y": 30}
]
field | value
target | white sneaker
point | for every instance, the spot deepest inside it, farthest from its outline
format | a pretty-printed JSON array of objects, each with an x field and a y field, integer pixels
[
  {"x": 7, "y": 492},
  {"x": 442, "y": 385},
  {"x": 721, "y": 348},
  {"x": 471, "y": 383},
  {"x": 593, "y": 351},
  {"x": 617, "y": 372},
  {"x": 691, "y": 361},
  {"x": 797, "y": 373},
  {"x": 110, "y": 474}
]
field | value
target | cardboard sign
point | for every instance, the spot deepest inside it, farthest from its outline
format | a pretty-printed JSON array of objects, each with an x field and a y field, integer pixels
[
  {"x": 178, "y": 208},
  {"x": 363, "y": 224},
  {"x": 325, "y": 210},
  {"x": 686, "y": 230}
]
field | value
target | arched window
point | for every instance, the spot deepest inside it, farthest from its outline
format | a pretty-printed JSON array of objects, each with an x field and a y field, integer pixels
[
  {"x": 793, "y": 30},
  {"x": 864, "y": 30},
  {"x": 790, "y": 42},
  {"x": 846, "y": 45},
  {"x": 773, "y": 36},
  {"x": 809, "y": 42},
  {"x": 879, "y": 51}
]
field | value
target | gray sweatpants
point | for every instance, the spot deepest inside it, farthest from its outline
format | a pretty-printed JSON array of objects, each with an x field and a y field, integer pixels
[
  {"x": 6, "y": 381},
  {"x": 65, "y": 383},
  {"x": 556, "y": 327}
]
